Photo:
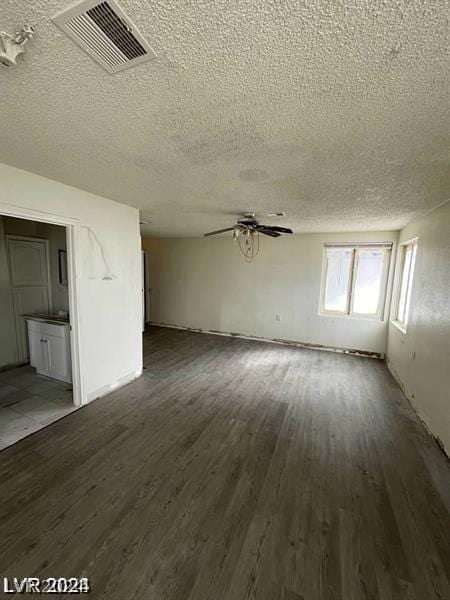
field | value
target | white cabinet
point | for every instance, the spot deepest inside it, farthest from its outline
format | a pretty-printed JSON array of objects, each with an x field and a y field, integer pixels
[
  {"x": 36, "y": 348},
  {"x": 50, "y": 349}
]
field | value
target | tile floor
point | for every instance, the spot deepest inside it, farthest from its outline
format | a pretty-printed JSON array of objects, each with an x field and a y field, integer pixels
[{"x": 29, "y": 402}]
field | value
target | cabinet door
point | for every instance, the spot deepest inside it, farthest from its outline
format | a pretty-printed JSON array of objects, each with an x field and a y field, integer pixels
[
  {"x": 37, "y": 355},
  {"x": 57, "y": 356}
]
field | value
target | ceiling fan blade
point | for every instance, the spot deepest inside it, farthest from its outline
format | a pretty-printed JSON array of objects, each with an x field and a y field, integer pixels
[
  {"x": 276, "y": 228},
  {"x": 282, "y": 229},
  {"x": 267, "y": 231},
  {"x": 218, "y": 231}
]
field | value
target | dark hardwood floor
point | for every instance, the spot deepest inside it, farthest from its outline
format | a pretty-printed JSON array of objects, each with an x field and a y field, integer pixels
[{"x": 234, "y": 469}]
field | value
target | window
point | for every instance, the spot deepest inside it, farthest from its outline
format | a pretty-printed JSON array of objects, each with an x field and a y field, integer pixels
[
  {"x": 408, "y": 259},
  {"x": 354, "y": 279},
  {"x": 339, "y": 268}
]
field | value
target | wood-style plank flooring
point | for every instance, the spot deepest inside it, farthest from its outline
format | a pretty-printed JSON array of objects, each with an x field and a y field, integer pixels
[{"x": 234, "y": 469}]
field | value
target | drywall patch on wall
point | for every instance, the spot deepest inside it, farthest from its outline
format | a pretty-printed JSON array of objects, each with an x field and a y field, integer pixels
[
  {"x": 205, "y": 283},
  {"x": 420, "y": 358}
]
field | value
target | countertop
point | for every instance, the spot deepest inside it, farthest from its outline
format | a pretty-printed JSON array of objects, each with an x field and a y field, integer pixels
[{"x": 55, "y": 320}]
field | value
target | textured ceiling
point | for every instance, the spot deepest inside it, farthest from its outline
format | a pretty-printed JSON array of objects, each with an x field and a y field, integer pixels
[{"x": 335, "y": 112}]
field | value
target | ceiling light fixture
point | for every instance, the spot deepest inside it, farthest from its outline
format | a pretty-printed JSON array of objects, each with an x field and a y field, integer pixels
[
  {"x": 246, "y": 232},
  {"x": 12, "y": 46}
]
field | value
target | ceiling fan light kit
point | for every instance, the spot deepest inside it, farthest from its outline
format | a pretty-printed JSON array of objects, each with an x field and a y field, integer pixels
[{"x": 246, "y": 232}]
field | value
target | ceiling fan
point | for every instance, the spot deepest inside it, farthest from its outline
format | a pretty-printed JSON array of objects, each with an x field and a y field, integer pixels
[
  {"x": 248, "y": 223},
  {"x": 246, "y": 231}
]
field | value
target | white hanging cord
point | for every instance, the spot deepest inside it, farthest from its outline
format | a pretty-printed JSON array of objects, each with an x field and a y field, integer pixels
[
  {"x": 108, "y": 275},
  {"x": 250, "y": 246}
]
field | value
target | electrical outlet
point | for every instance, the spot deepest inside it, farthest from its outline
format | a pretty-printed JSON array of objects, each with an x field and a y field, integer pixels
[{"x": 277, "y": 317}]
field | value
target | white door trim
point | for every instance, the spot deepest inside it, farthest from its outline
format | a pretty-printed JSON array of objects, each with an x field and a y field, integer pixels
[
  {"x": 74, "y": 274},
  {"x": 147, "y": 286}
]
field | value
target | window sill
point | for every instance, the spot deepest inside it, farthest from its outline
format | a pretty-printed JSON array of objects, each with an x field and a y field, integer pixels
[
  {"x": 355, "y": 316},
  {"x": 399, "y": 326}
]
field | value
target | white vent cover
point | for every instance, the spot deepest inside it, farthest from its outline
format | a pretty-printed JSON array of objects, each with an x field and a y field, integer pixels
[{"x": 104, "y": 31}]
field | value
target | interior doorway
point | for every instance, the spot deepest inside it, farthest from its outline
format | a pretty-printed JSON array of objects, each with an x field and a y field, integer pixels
[{"x": 36, "y": 358}]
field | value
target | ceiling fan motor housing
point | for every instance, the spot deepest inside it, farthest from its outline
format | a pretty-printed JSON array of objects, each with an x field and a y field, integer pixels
[{"x": 248, "y": 221}]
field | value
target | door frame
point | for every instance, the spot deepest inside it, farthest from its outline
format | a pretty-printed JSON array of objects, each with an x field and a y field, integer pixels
[
  {"x": 27, "y": 238},
  {"x": 147, "y": 288},
  {"x": 73, "y": 232}
]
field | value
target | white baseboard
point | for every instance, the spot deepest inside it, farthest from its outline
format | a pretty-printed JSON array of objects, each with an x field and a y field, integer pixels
[
  {"x": 414, "y": 406},
  {"x": 296, "y": 344},
  {"x": 107, "y": 389}
]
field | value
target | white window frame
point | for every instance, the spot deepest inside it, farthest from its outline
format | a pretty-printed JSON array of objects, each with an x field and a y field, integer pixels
[
  {"x": 349, "y": 313},
  {"x": 402, "y": 324}
]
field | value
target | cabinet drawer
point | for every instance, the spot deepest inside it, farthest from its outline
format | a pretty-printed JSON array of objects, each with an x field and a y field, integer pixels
[
  {"x": 47, "y": 328},
  {"x": 56, "y": 330},
  {"x": 34, "y": 326}
]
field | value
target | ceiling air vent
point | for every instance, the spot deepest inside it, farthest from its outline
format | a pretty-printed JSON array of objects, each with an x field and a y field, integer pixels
[{"x": 104, "y": 31}]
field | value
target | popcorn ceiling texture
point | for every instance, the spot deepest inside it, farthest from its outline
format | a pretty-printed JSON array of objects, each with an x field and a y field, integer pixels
[{"x": 335, "y": 112}]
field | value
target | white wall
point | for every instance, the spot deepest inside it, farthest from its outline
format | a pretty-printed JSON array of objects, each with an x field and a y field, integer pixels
[
  {"x": 109, "y": 310},
  {"x": 420, "y": 358},
  {"x": 57, "y": 241},
  {"x": 206, "y": 284}
]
